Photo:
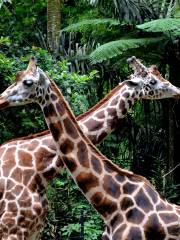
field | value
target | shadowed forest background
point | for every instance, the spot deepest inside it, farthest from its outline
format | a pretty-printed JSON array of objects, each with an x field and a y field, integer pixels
[{"x": 83, "y": 45}]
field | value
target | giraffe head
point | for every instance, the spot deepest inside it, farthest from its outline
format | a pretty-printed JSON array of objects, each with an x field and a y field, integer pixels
[
  {"x": 30, "y": 86},
  {"x": 148, "y": 82}
]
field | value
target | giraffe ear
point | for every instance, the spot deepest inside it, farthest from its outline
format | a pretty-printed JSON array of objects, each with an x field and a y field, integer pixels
[{"x": 32, "y": 65}]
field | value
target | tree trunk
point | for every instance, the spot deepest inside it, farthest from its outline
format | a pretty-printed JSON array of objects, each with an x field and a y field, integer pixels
[{"x": 53, "y": 25}]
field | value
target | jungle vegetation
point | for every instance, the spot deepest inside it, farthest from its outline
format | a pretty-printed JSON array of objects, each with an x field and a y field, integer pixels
[{"x": 83, "y": 45}]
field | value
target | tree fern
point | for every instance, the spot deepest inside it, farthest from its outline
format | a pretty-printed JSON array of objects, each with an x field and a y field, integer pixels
[
  {"x": 117, "y": 48},
  {"x": 161, "y": 25},
  {"x": 90, "y": 23}
]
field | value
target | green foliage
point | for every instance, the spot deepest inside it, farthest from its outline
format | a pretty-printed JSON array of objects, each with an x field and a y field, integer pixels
[
  {"x": 161, "y": 25},
  {"x": 119, "y": 47},
  {"x": 89, "y": 24}
]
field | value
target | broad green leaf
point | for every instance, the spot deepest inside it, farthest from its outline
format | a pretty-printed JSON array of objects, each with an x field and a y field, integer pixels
[
  {"x": 161, "y": 25},
  {"x": 117, "y": 48}
]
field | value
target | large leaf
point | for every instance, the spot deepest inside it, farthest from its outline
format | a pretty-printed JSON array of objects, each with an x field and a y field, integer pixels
[
  {"x": 90, "y": 23},
  {"x": 117, "y": 48},
  {"x": 161, "y": 25}
]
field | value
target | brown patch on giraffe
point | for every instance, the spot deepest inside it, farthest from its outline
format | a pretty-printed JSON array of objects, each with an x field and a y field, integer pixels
[
  {"x": 112, "y": 122},
  {"x": 28, "y": 214},
  {"x": 10, "y": 162},
  {"x": 70, "y": 163},
  {"x": 66, "y": 146},
  {"x": 25, "y": 159},
  {"x": 44, "y": 158},
  {"x": 39, "y": 183},
  {"x": 117, "y": 220},
  {"x": 112, "y": 112},
  {"x": 23, "y": 222},
  {"x": 70, "y": 128},
  {"x": 152, "y": 193},
  {"x": 27, "y": 176},
  {"x": 168, "y": 217},
  {"x": 2, "y": 207},
  {"x": 153, "y": 228},
  {"x": 12, "y": 207},
  {"x": 174, "y": 230},
  {"x": 114, "y": 102},
  {"x": 119, "y": 232},
  {"x": 122, "y": 105},
  {"x": 111, "y": 187},
  {"x": 25, "y": 200},
  {"x": 86, "y": 181},
  {"x": 134, "y": 216},
  {"x": 126, "y": 95},
  {"x": 100, "y": 114},
  {"x": 135, "y": 234},
  {"x": 61, "y": 108},
  {"x": 96, "y": 164},
  {"x": 110, "y": 167},
  {"x": 97, "y": 198},
  {"x": 53, "y": 97},
  {"x": 56, "y": 130},
  {"x": 99, "y": 139},
  {"x": 82, "y": 154},
  {"x": 161, "y": 206},
  {"x": 49, "y": 174},
  {"x": 107, "y": 207},
  {"x": 2, "y": 187},
  {"x": 51, "y": 110},
  {"x": 17, "y": 175},
  {"x": 10, "y": 184},
  {"x": 59, "y": 163},
  {"x": 37, "y": 208},
  {"x": 120, "y": 178},
  {"x": 126, "y": 203},
  {"x": 34, "y": 144},
  {"x": 93, "y": 125},
  {"x": 9, "y": 222},
  {"x": 17, "y": 190},
  {"x": 129, "y": 188},
  {"x": 10, "y": 196},
  {"x": 143, "y": 201}
]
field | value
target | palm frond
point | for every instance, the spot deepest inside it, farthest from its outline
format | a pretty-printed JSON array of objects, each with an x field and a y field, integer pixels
[
  {"x": 86, "y": 24},
  {"x": 161, "y": 25},
  {"x": 117, "y": 48}
]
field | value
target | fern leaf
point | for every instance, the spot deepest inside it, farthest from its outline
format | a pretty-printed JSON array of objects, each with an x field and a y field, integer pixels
[
  {"x": 117, "y": 48},
  {"x": 161, "y": 25},
  {"x": 86, "y": 24}
]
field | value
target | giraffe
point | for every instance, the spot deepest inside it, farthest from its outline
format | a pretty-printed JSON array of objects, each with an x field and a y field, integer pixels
[
  {"x": 40, "y": 147},
  {"x": 129, "y": 205}
]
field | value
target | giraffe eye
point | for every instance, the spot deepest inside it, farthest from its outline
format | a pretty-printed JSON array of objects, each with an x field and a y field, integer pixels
[
  {"x": 153, "y": 81},
  {"x": 28, "y": 82}
]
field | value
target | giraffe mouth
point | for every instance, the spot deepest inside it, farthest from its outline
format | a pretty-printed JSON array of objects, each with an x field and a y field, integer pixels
[{"x": 3, "y": 103}]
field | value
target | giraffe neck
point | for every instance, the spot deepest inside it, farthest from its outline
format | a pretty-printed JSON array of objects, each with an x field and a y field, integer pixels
[
  {"x": 102, "y": 119},
  {"x": 90, "y": 169}
]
